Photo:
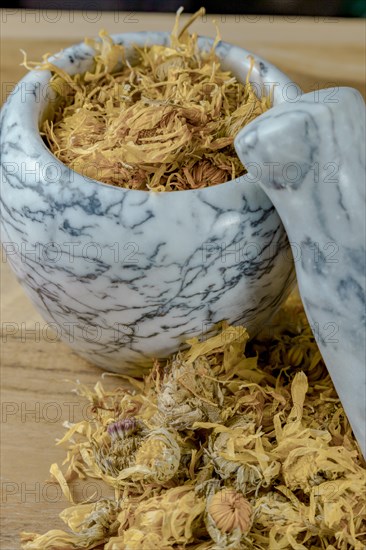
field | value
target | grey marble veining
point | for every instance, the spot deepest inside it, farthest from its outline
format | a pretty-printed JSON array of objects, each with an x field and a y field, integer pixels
[
  {"x": 121, "y": 275},
  {"x": 309, "y": 157}
]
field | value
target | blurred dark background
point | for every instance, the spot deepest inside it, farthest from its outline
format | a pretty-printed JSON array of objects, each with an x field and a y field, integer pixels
[{"x": 330, "y": 8}]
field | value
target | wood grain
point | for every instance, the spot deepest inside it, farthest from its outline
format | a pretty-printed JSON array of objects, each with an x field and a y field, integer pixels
[{"x": 37, "y": 374}]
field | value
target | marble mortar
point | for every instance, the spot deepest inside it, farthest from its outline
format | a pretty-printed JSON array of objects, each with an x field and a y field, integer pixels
[{"x": 123, "y": 276}]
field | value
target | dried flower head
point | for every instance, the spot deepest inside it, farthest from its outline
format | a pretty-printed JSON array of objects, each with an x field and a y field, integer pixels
[
  {"x": 156, "y": 459},
  {"x": 168, "y": 519},
  {"x": 117, "y": 453},
  {"x": 230, "y": 510},
  {"x": 189, "y": 394},
  {"x": 91, "y": 525},
  {"x": 228, "y": 517}
]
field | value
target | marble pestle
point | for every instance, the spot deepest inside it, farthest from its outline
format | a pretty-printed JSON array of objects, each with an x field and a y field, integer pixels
[{"x": 309, "y": 157}]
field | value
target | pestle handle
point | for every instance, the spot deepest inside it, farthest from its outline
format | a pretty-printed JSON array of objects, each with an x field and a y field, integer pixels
[{"x": 309, "y": 157}]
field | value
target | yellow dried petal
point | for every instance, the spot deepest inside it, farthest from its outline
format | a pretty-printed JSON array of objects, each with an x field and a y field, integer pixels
[
  {"x": 166, "y": 121},
  {"x": 58, "y": 475}
]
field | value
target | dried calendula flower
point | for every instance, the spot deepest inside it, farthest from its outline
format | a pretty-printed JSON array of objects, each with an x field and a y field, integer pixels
[
  {"x": 238, "y": 454},
  {"x": 229, "y": 444},
  {"x": 91, "y": 525},
  {"x": 118, "y": 453},
  {"x": 229, "y": 517},
  {"x": 156, "y": 459},
  {"x": 284, "y": 522},
  {"x": 189, "y": 394},
  {"x": 165, "y": 120},
  {"x": 171, "y": 518},
  {"x": 230, "y": 510}
]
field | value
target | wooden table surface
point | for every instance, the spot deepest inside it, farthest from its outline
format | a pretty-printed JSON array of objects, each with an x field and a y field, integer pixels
[{"x": 37, "y": 373}]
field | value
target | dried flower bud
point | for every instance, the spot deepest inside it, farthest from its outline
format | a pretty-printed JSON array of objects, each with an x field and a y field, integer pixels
[
  {"x": 230, "y": 510},
  {"x": 90, "y": 525},
  {"x": 157, "y": 458},
  {"x": 126, "y": 436},
  {"x": 189, "y": 394},
  {"x": 228, "y": 518},
  {"x": 295, "y": 356}
]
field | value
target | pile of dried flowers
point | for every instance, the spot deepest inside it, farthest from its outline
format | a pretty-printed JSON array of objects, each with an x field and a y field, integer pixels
[
  {"x": 227, "y": 445},
  {"x": 165, "y": 123}
]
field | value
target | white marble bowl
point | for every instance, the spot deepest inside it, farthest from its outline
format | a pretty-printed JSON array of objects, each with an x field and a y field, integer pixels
[{"x": 121, "y": 275}]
